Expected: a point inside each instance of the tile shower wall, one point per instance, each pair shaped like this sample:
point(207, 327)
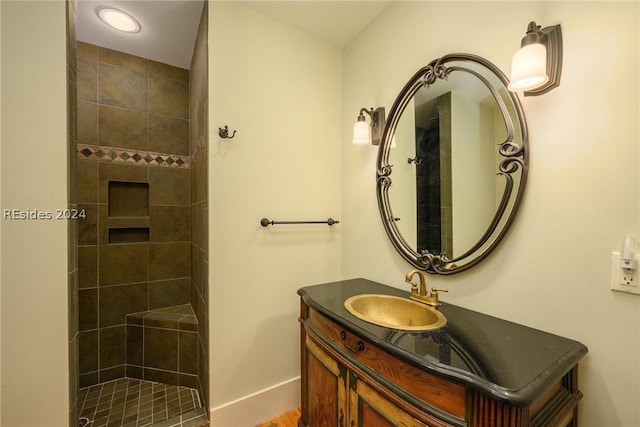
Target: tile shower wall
point(133, 127)
point(199, 203)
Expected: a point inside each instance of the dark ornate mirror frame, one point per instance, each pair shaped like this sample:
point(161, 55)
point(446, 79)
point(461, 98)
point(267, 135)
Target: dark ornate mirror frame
point(515, 158)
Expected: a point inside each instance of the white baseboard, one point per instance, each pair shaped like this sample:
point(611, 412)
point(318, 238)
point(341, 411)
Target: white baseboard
point(258, 407)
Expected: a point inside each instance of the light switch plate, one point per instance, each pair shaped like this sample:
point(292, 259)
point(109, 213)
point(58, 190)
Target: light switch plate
point(623, 279)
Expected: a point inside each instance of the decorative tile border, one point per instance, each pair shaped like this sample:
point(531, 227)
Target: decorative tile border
point(122, 155)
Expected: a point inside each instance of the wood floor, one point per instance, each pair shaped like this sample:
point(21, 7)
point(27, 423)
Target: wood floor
point(290, 419)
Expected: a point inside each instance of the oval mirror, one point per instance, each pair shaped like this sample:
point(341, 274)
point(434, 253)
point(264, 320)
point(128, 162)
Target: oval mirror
point(452, 164)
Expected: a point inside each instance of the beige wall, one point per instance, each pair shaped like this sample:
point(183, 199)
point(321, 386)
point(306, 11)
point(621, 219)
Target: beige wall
point(552, 272)
point(280, 89)
point(34, 253)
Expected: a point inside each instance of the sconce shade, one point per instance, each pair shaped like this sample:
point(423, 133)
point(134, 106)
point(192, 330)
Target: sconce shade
point(361, 132)
point(529, 68)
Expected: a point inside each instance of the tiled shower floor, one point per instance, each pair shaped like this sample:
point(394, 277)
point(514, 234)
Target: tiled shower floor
point(128, 402)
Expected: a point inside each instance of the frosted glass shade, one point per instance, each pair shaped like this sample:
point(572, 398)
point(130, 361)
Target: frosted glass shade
point(529, 68)
point(361, 133)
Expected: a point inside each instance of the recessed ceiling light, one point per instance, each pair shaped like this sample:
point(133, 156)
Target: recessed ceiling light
point(118, 19)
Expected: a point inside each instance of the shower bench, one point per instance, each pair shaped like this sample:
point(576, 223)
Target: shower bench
point(162, 345)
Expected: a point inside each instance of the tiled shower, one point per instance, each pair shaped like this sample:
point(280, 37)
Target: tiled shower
point(141, 179)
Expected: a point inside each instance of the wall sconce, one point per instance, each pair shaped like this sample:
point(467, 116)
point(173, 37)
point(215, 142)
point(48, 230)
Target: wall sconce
point(364, 133)
point(537, 65)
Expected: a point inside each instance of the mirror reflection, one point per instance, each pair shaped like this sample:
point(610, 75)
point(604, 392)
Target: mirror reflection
point(458, 153)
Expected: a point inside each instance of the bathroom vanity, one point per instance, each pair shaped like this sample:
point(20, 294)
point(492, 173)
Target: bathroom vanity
point(477, 370)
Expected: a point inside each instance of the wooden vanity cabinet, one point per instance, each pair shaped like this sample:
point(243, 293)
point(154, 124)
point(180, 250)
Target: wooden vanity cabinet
point(349, 382)
point(335, 396)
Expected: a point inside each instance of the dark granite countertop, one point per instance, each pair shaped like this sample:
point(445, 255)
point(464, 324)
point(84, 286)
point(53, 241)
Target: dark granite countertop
point(508, 361)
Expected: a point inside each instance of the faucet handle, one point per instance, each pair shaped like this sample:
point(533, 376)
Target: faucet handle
point(414, 287)
point(433, 296)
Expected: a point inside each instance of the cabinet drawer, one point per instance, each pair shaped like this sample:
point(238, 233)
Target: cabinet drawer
point(440, 393)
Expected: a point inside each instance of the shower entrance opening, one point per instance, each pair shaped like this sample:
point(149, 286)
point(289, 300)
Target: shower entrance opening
point(140, 179)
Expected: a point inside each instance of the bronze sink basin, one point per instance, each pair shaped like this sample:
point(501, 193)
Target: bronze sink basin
point(395, 312)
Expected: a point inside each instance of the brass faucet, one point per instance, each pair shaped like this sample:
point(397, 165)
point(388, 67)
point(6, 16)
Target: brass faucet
point(420, 294)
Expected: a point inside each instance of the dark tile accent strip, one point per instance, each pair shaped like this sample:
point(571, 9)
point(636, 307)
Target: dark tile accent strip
point(123, 155)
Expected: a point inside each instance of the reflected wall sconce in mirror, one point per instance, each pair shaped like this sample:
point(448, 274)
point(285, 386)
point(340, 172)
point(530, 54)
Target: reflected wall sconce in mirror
point(537, 65)
point(363, 133)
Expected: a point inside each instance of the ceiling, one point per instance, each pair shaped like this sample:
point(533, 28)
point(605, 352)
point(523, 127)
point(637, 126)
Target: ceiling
point(169, 26)
point(335, 21)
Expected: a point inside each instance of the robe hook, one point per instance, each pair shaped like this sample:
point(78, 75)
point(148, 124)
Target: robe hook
point(224, 133)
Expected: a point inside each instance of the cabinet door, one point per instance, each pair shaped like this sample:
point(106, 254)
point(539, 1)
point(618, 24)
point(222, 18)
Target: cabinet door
point(326, 395)
point(367, 408)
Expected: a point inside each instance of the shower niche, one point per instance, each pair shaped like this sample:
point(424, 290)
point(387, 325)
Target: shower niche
point(128, 200)
point(128, 234)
